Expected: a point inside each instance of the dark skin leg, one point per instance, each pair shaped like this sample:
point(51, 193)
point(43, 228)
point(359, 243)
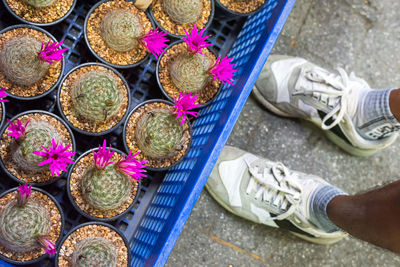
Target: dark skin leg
point(373, 216)
point(394, 103)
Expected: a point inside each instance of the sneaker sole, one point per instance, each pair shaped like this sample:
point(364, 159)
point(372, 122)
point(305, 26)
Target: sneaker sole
point(315, 240)
point(340, 142)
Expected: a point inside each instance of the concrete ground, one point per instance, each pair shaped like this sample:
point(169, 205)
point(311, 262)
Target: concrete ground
point(360, 36)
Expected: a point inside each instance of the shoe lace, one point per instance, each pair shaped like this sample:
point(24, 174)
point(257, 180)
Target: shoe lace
point(275, 186)
point(340, 91)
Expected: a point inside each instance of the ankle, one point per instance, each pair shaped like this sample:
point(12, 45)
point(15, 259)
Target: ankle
point(394, 103)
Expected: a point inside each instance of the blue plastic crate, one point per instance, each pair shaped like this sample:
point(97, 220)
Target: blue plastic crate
point(166, 199)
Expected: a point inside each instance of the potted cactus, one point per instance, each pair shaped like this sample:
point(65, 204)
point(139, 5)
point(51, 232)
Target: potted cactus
point(94, 244)
point(160, 131)
point(36, 147)
point(40, 12)
point(121, 35)
point(93, 99)
point(31, 62)
point(189, 65)
point(177, 16)
point(31, 223)
point(229, 8)
point(104, 183)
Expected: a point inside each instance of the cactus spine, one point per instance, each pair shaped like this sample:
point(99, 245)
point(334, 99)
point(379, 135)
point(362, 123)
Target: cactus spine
point(189, 72)
point(21, 225)
point(94, 252)
point(38, 134)
point(183, 11)
point(96, 97)
point(105, 189)
point(159, 134)
point(39, 3)
point(120, 29)
point(20, 63)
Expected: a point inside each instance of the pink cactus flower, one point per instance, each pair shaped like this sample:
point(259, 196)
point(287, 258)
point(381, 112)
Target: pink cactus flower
point(223, 70)
point(195, 40)
point(17, 130)
point(57, 156)
point(132, 167)
point(23, 193)
point(47, 245)
point(184, 104)
point(3, 94)
point(155, 42)
point(49, 52)
point(103, 156)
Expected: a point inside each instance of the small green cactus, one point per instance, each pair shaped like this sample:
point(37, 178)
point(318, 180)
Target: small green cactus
point(94, 252)
point(158, 134)
point(189, 72)
point(38, 134)
point(106, 189)
point(120, 29)
point(183, 11)
point(39, 3)
point(96, 97)
point(21, 225)
point(20, 63)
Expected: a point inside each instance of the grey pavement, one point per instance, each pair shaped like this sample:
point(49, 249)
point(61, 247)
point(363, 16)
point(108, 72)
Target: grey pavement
point(361, 36)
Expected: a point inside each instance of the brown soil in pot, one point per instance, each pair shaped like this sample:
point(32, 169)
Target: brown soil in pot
point(5, 152)
point(131, 143)
point(165, 21)
point(54, 234)
point(100, 47)
point(205, 95)
point(42, 86)
point(81, 123)
point(243, 7)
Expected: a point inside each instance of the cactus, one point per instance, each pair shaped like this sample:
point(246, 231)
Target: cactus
point(189, 72)
point(121, 29)
point(183, 11)
point(38, 134)
point(39, 3)
point(159, 134)
point(94, 252)
point(96, 97)
point(105, 189)
point(20, 226)
point(20, 63)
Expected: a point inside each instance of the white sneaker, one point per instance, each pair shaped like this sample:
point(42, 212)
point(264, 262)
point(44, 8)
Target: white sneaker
point(294, 87)
point(267, 192)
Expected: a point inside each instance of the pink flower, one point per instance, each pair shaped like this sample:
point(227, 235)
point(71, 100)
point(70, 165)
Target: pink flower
point(223, 70)
point(17, 130)
point(184, 104)
point(3, 94)
point(57, 156)
point(103, 156)
point(47, 245)
point(49, 53)
point(155, 42)
point(23, 193)
point(132, 167)
point(195, 41)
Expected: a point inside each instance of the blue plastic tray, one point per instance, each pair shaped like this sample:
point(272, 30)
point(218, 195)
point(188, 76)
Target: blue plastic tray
point(166, 199)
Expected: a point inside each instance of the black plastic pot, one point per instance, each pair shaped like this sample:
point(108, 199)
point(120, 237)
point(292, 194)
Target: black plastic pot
point(78, 129)
point(62, 62)
point(36, 23)
point(100, 58)
point(84, 213)
point(162, 87)
point(95, 223)
point(210, 19)
point(3, 115)
point(5, 126)
point(223, 11)
point(126, 124)
point(58, 239)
